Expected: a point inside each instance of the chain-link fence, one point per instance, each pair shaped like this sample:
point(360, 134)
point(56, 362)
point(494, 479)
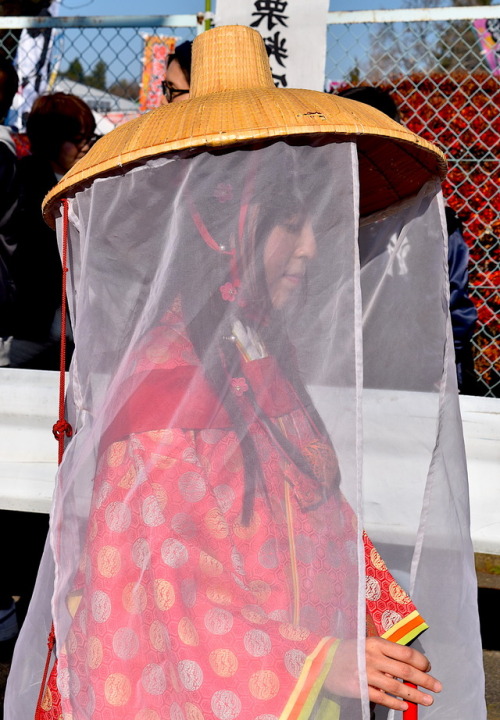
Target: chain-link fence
point(433, 64)
point(443, 74)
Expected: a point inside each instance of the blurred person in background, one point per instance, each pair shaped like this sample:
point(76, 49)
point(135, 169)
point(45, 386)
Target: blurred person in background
point(8, 203)
point(462, 309)
point(61, 130)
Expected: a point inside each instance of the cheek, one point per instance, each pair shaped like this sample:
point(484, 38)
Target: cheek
point(67, 155)
point(276, 255)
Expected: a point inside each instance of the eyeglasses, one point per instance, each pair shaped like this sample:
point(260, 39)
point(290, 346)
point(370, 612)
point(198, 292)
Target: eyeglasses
point(81, 141)
point(171, 93)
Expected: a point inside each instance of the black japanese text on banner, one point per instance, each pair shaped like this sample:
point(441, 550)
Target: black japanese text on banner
point(294, 33)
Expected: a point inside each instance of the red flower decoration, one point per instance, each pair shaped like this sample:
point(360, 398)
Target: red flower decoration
point(228, 292)
point(239, 386)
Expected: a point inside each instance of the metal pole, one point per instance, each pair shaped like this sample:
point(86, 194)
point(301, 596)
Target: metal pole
point(208, 9)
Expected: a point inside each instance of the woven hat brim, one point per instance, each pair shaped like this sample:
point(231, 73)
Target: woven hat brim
point(394, 162)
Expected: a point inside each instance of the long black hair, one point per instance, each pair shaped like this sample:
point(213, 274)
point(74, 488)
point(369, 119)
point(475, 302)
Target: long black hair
point(209, 325)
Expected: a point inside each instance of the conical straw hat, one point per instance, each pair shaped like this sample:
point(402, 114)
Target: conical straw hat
point(233, 100)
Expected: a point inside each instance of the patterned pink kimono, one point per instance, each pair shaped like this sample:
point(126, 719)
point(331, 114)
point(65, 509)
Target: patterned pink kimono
point(183, 611)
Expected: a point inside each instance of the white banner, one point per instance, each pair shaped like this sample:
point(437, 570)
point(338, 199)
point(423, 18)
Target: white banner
point(33, 62)
point(294, 32)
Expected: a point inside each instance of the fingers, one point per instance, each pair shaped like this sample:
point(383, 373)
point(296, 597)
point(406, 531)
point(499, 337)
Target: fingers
point(392, 693)
point(387, 664)
point(404, 671)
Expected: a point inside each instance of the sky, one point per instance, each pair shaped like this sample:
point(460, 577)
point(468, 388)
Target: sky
point(170, 7)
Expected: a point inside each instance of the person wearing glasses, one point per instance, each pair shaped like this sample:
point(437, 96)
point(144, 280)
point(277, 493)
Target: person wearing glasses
point(175, 86)
point(61, 129)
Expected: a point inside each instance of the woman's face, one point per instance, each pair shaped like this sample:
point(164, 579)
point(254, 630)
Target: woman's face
point(288, 249)
point(69, 152)
point(175, 83)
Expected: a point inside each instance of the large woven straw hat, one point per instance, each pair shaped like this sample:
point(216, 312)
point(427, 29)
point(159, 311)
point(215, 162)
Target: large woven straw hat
point(233, 100)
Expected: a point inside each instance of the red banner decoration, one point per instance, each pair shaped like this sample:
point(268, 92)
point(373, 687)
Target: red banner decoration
point(156, 50)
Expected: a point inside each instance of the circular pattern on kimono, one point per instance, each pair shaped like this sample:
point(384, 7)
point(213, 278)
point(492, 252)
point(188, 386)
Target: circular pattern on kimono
point(116, 453)
point(159, 637)
point(101, 494)
point(160, 493)
point(118, 517)
point(117, 689)
point(238, 561)
point(174, 553)
point(373, 591)
point(193, 712)
point(147, 714)
point(246, 532)
point(264, 684)
point(216, 524)
point(389, 619)
point(376, 560)
point(125, 643)
point(151, 513)
point(184, 525)
point(189, 455)
point(294, 661)
point(257, 643)
point(293, 632)
point(254, 614)
point(141, 553)
point(46, 703)
point(209, 565)
point(219, 593)
point(398, 594)
point(128, 479)
point(100, 606)
point(187, 632)
point(94, 653)
point(63, 681)
point(108, 561)
point(268, 554)
point(261, 590)
point(223, 662)
point(225, 495)
point(192, 487)
point(153, 679)
point(266, 717)
point(218, 621)
point(226, 705)
point(190, 674)
point(134, 598)
point(164, 594)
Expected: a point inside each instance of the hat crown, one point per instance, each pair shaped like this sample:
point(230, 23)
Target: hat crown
point(231, 57)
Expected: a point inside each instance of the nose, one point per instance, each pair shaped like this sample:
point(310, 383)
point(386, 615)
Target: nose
point(306, 242)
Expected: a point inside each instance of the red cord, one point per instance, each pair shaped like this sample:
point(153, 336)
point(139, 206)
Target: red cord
point(61, 428)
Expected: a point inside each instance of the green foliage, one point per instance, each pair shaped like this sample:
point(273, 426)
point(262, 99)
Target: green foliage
point(75, 71)
point(97, 77)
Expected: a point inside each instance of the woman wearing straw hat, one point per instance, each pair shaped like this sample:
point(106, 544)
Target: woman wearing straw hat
point(209, 557)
